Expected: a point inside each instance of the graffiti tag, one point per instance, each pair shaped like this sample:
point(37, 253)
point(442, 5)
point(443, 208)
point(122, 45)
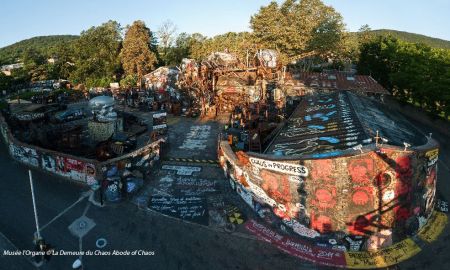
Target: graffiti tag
point(288, 168)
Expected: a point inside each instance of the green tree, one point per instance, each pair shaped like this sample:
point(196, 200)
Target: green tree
point(64, 65)
point(298, 27)
point(184, 46)
point(166, 34)
point(413, 72)
point(19, 76)
point(5, 82)
point(137, 56)
point(364, 34)
point(240, 44)
point(129, 81)
point(34, 63)
point(96, 53)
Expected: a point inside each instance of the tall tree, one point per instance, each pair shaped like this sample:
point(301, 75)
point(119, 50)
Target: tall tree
point(237, 43)
point(64, 64)
point(96, 54)
point(414, 73)
point(5, 82)
point(182, 49)
point(299, 27)
point(166, 34)
point(137, 56)
point(364, 34)
point(34, 64)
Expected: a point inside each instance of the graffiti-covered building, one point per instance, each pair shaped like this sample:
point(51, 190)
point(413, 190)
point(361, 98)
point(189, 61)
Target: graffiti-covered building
point(342, 169)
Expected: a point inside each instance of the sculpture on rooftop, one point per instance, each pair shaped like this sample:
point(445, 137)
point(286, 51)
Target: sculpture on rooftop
point(103, 108)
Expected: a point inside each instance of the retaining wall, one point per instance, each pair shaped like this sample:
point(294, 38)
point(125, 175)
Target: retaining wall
point(358, 200)
point(78, 169)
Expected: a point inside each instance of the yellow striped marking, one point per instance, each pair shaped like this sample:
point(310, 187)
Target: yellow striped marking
point(384, 257)
point(434, 227)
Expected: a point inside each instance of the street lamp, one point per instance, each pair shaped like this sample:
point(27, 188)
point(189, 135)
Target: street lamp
point(39, 242)
point(34, 206)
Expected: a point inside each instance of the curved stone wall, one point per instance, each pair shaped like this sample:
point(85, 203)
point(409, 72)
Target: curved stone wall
point(82, 170)
point(360, 201)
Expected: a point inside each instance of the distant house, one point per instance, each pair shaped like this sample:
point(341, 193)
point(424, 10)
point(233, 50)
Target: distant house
point(52, 60)
point(6, 69)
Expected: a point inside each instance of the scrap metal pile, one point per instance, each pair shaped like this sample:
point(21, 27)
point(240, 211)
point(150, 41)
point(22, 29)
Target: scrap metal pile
point(162, 83)
point(222, 81)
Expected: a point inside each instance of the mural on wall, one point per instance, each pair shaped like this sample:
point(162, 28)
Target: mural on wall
point(377, 196)
point(24, 154)
point(71, 168)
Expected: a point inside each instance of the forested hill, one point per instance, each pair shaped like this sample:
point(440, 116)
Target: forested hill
point(43, 44)
point(414, 38)
point(47, 44)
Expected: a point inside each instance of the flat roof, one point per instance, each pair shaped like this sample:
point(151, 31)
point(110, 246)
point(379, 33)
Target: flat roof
point(328, 123)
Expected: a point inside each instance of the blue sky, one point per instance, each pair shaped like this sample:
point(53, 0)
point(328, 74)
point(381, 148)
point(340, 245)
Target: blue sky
point(21, 19)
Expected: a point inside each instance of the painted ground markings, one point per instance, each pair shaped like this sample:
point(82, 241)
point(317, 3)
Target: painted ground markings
point(196, 138)
point(182, 170)
point(434, 227)
point(191, 160)
point(190, 208)
point(236, 218)
point(182, 195)
point(234, 214)
point(385, 257)
point(81, 226)
point(298, 248)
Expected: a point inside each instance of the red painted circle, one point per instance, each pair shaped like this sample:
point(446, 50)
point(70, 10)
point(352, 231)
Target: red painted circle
point(360, 197)
point(323, 195)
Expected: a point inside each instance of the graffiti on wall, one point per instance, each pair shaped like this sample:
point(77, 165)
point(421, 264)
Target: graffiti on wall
point(140, 159)
point(294, 247)
point(282, 167)
point(433, 228)
point(69, 167)
point(372, 196)
point(24, 154)
point(126, 174)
